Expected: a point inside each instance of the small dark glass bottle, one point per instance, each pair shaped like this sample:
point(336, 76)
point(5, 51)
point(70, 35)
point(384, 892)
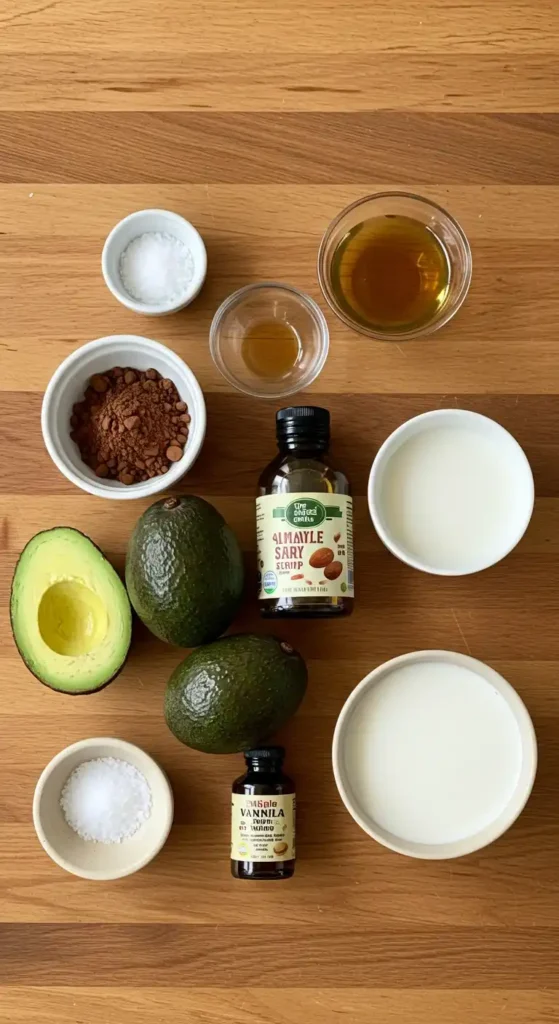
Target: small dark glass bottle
point(304, 523)
point(263, 818)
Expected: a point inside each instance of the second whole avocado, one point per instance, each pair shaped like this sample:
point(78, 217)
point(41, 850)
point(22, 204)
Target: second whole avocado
point(184, 571)
point(235, 693)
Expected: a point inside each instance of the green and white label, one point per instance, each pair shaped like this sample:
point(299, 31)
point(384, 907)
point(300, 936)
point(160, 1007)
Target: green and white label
point(305, 512)
point(304, 545)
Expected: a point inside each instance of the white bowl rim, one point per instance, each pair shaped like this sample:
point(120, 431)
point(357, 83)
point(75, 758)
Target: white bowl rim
point(232, 300)
point(483, 838)
point(149, 308)
point(121, 747)
point(147, 488)
point(384, 453)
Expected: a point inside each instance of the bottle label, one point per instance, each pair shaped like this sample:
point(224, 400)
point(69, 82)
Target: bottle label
point(263, 827)
point(304, 545)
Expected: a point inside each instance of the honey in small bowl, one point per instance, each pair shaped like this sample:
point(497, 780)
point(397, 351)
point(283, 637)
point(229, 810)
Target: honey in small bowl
point(269, 339)
point(394, 266)
point(390, 273)
point(270, 348)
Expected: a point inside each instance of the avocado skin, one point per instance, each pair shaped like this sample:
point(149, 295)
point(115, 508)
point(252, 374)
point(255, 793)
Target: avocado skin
point(235, 693)
point(55, 689)
point(184, 571)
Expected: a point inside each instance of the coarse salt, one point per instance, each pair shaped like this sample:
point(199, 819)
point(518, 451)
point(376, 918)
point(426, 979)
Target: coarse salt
point(106, 800)
point(156, 268)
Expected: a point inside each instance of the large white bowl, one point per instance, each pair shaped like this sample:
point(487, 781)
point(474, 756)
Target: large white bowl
point(67, 386)
point(520, 790)
point(484, 428)
point(139, 223)
point(100, 861)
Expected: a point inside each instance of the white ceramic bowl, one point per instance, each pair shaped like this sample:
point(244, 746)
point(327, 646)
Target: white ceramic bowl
point(67, 386)
point(138, 223)
point(514, 492)
point(100, 861)
point(373, 815)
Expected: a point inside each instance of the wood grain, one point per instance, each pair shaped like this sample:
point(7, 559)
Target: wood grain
point(246, 27)
point(259, 123)
point(357, 82)
point(159, 1006)
point(399, 958)
point(261, 148)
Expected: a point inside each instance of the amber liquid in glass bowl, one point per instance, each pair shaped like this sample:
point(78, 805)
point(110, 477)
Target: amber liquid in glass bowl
point(390, 273)
point(271, 348)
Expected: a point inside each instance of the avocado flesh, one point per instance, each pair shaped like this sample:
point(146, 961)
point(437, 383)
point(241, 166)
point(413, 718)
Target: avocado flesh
point(235, 693)
point(184, 571)
point(71, 617)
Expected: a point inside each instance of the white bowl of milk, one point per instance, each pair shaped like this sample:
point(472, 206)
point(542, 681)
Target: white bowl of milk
point(451, 492)
point(434, 754)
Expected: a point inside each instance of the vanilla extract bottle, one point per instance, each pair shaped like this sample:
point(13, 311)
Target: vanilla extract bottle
point(263, 818)
point(304, 523)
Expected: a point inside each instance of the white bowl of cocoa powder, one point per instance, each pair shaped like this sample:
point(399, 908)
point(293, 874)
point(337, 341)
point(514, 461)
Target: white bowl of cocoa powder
point(123, 417)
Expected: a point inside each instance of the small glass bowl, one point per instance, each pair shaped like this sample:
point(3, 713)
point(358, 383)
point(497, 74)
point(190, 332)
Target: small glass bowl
point(404, 204)
point(269, 301)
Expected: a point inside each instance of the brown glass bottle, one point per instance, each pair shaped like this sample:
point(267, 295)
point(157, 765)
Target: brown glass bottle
point(263, 818)
point(304, 523)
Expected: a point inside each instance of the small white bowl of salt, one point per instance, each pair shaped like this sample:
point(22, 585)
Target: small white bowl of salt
point(102, 809)
point(154, 262)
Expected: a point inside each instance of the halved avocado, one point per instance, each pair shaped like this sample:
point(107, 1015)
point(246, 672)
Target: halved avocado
point(70, 612)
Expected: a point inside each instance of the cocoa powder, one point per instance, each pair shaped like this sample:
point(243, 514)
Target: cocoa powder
point(130, 425)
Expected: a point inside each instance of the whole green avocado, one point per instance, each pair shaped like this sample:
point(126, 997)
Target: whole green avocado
point(184, 571)
point(235, 693)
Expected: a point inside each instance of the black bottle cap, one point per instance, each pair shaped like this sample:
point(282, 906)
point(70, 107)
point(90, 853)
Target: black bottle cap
point(273, 753)
point(300, 423)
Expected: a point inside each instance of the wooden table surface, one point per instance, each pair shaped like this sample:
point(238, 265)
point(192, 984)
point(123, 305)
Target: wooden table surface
point(260, 122)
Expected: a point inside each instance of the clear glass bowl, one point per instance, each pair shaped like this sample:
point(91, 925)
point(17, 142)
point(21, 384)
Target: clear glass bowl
point(264, 302)
point(404, 204)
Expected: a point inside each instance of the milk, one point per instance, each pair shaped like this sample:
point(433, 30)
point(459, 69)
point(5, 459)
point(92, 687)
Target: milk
point(455, 497)
point(432, 753)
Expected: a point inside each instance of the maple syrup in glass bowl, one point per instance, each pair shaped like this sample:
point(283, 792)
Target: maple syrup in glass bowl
point(395, 266)
point(269, 340)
